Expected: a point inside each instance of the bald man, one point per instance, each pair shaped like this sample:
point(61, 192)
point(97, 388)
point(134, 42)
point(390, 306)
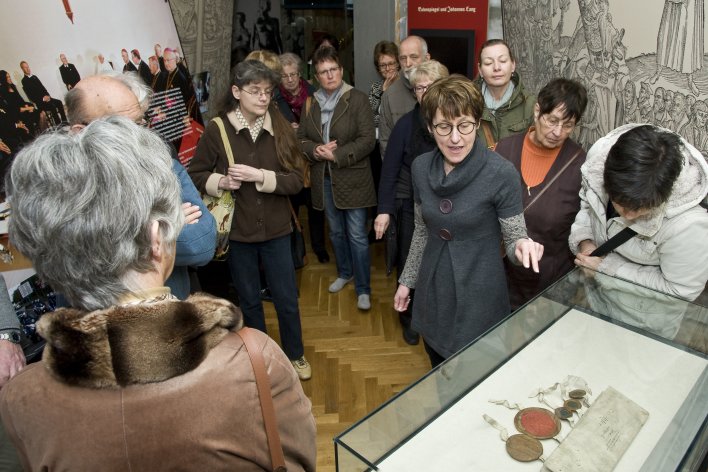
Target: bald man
point(126, 95)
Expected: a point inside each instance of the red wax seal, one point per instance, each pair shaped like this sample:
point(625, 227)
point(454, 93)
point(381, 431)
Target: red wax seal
point(538, 423)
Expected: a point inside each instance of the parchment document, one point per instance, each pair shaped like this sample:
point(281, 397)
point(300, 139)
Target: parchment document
point(601, 436)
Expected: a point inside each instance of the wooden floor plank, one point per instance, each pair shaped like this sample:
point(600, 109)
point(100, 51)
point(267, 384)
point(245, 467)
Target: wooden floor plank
point(359, 359)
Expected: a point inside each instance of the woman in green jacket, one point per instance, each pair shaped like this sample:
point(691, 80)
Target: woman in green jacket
point(508, 107)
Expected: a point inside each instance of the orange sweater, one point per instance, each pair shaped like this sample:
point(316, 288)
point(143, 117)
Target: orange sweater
point(536, 161)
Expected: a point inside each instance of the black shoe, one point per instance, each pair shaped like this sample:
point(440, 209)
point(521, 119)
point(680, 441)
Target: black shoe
point(410, 336)
point(265, 295)
point(323, 257)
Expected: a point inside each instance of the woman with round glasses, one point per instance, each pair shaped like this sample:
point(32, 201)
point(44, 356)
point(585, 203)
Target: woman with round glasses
point(508, 107)
point(409, 139)
point(548, 162)
point(265, 171)
point(337, 135)
point(467, 203)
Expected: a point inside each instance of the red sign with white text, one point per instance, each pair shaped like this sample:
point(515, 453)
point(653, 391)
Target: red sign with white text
point(452, 18)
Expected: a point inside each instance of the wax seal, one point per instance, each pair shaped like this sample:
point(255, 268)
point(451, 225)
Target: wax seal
point(577, 394)
point(573, 405)
point(538, 423)
point(563, 413)
point(524, 448)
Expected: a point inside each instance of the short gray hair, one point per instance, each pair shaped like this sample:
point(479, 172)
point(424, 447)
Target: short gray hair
point(431, 70)
point(83, 205)
point(290, 59)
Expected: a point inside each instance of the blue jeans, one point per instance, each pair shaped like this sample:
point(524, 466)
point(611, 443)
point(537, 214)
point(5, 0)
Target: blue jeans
point(279, 271)
point(349, 236)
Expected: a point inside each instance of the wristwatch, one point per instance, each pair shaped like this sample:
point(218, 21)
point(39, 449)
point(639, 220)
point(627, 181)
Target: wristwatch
point(12, 336)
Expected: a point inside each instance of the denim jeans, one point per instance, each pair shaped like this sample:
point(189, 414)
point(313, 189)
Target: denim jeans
point(279, 271)
point(350, 240)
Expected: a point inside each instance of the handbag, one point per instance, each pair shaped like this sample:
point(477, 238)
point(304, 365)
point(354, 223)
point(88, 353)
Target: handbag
point(222, 207)
point(265, 397)
point(297, 241)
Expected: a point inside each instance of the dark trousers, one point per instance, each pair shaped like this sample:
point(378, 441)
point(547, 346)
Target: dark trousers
point(54, 110)
point(315, 219)
point(277, 262)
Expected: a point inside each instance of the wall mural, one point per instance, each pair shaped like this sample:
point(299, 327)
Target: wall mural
point(641, 60)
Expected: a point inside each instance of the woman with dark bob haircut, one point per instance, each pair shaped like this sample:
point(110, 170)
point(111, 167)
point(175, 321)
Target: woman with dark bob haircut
point(149, 381)
point(265, 171)
point(548, 162)
point(653, 181)
point(467, 203)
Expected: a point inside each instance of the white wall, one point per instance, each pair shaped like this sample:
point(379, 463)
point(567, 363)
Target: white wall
point(37, 31)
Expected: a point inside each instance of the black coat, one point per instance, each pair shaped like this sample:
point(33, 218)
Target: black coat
point(69, 75)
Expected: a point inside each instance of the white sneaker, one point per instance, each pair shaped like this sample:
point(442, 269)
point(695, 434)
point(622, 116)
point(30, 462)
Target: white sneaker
point(364, 302)
point(303, 368)
point(339, 284)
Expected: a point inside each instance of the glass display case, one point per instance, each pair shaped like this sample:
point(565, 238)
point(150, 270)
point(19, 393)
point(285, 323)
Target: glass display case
point(607, 332)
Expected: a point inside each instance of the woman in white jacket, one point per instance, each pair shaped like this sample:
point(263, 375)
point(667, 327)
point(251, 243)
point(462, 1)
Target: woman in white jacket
point(652, 180)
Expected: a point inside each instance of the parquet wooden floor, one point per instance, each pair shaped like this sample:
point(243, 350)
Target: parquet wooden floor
point(359, 359)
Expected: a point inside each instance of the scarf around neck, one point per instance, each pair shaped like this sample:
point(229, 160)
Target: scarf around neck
point(327, 105)
point(492, 103)
point(295, 102)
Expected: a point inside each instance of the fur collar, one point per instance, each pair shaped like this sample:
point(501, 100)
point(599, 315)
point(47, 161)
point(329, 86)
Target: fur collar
point(135, 344)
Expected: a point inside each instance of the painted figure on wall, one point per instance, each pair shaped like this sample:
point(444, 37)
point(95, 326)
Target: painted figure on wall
point(679, 44)
point(629, 77)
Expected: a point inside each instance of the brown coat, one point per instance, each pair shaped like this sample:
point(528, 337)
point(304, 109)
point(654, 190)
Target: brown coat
point(149, 387)
point(261, 212)
point(548, 221)
point(353, 129)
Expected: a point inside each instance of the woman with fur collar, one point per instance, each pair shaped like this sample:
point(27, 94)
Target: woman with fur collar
point(148, 381)
point(652, 180)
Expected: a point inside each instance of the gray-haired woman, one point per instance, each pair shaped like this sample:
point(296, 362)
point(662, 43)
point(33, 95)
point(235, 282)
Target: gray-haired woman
point(151, 382)
point(266, 170)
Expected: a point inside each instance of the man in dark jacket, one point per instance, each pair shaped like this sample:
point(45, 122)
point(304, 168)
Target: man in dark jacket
point(69, 75)
point(37, 93)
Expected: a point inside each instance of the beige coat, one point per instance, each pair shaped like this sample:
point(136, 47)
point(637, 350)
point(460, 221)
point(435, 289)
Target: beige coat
point(149, 387)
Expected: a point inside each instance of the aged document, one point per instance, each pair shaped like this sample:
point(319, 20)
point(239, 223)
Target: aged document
point(601, 436)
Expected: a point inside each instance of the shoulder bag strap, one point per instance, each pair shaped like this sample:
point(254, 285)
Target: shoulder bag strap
point(614, 242)
point(488, 136)
point(550, 182)
point(295, 220)
point(264, 395)
point(227, 145)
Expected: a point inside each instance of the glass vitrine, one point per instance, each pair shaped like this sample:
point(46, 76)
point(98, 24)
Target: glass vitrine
point(608, 332)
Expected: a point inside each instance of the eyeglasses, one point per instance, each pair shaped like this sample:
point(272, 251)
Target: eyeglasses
point(268, 93)
point(566, 127)
point(388, 65)
point(291, 75)
point(420, 88)
point(330, 71)
point(464, 128)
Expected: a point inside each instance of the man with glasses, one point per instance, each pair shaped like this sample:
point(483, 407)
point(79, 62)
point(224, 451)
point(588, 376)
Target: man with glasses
point(399, 99)
point(549, 166)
